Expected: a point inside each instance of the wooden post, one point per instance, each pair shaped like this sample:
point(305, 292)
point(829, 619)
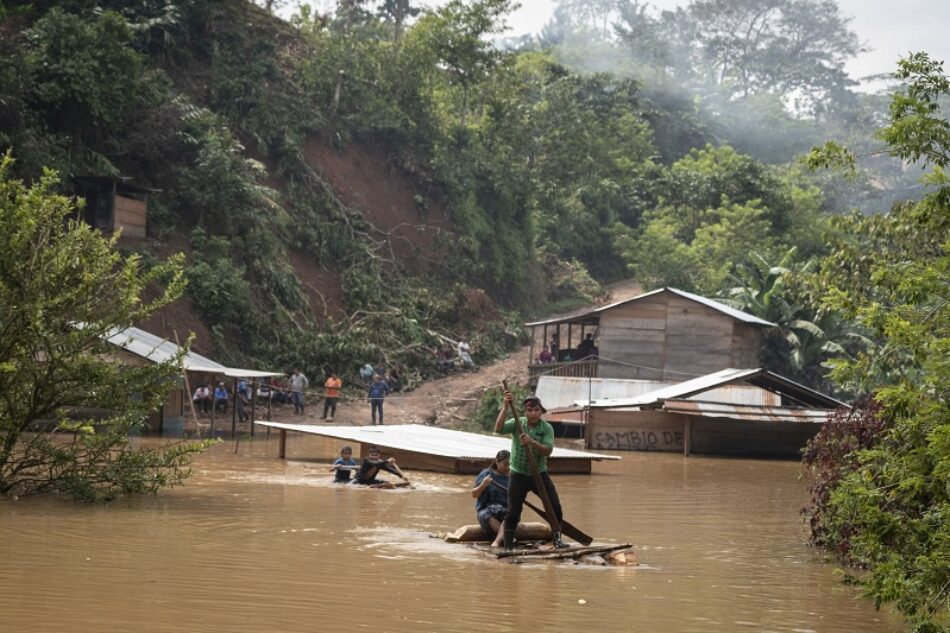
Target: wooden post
point(214, 405)
point(569, 328)
point(687, 436)
point(270, 398)
point(253, 403)
point(531, 347)
point(233, 406)
point(282, 450)
point(184, 375)
point(545, 337)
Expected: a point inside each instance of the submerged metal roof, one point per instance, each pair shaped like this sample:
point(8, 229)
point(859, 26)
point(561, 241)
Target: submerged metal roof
point(160, 350)
point(747, 412)
point(557, 392)
point(591, 315)
point(431, 440)
point(758, 376)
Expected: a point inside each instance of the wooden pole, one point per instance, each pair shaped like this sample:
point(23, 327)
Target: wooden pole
point(687, 436)
point(233, 406)
point(282, 450)
point(570, 327)
point(253, 403)
point(214, 404)
point(184, 374)
point(270, 398)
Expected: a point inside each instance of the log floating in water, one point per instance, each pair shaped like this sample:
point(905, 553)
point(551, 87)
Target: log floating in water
point(475, 534)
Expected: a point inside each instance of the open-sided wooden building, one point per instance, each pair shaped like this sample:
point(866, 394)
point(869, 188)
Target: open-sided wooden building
point(667, 335)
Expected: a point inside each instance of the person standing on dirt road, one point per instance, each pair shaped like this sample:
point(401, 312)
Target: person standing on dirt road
point(332, 385)
point(377, 392)
point(298, 383)
point(538, 437)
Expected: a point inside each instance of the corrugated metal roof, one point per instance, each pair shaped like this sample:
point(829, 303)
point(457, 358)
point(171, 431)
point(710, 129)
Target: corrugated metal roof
point(747, 412)
point(582, 315)
point(160, 350)
point(431, 440)
point(704, 384)
point(562, 391)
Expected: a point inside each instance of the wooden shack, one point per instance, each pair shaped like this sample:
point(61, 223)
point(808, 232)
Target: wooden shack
point(667, 335)
point(693, 417)
point(113, 204)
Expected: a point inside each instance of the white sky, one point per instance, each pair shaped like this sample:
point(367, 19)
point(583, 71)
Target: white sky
point(891, 28)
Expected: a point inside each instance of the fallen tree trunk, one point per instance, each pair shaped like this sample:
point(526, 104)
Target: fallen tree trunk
point(475, 534)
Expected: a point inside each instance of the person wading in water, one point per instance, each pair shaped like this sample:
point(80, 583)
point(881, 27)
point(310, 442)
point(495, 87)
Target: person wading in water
point(538, 437)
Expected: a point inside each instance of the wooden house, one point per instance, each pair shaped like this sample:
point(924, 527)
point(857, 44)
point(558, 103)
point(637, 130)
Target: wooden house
point(667, 335)
point(113, 204)
point(708, 415)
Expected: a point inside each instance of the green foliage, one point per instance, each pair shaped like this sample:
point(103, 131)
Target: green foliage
point(68, 409)
point(893, 509)
point(491, 403)
point(714, 207)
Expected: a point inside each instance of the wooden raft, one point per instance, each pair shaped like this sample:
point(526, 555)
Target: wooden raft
point(591, 554)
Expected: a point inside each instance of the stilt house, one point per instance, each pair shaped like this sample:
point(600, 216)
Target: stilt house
point(666, 335)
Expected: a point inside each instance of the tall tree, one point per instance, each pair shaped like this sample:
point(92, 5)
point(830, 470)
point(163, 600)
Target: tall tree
point(67, 408)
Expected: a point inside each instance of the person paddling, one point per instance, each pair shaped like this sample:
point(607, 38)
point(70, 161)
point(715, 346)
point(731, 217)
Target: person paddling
point(537, 437)
point(366, 475)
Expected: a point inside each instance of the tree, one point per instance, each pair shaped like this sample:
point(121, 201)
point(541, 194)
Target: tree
point(891, 515)
point(66, 409)
point(456, 33)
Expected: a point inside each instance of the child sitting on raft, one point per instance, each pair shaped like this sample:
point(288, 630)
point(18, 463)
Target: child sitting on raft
point(366, 476)
point(491, 501)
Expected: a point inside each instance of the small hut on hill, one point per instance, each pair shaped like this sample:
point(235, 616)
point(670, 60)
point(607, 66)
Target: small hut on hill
point(667, 335)
point(113, 203)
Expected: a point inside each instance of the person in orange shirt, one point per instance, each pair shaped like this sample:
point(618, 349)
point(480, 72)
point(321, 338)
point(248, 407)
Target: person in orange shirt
point(333, 386)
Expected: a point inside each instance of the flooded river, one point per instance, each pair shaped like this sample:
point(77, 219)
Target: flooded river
point(252, 543)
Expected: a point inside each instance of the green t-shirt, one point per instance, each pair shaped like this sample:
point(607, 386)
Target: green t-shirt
point(542, 433)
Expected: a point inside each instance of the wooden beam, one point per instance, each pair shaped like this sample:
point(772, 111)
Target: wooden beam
point(687, 436)
point(282, 450)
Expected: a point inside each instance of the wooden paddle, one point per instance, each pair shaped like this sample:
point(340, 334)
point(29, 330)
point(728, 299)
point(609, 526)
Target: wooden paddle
point(566, 528)
point(539, 487)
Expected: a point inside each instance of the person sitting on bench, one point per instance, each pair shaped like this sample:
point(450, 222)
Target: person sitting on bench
point(366, 475)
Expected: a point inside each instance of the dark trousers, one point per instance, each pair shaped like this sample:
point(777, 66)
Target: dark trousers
point(297, 398)
point(518, 487)
point(329, 405)
point(376, 404)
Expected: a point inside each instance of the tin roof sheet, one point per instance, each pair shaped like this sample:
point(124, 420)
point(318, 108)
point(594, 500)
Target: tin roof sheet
point(431, 440)
point(758, 376)
point(557, 392)
point(160, 350)
point(747, 412)
point(583, 315)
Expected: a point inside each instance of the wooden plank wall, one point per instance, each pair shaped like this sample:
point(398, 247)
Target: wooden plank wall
point(635, 334)
point(746, 343)
point(698, 339)
point(722, 436)
point(664, 431)
point(635, 431)
point(130, 216)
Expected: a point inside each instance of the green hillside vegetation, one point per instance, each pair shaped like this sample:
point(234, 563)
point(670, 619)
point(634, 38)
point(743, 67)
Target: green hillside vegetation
point(537, 183)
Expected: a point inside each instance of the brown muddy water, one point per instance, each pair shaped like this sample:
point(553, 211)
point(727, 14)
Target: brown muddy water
point(253, 543)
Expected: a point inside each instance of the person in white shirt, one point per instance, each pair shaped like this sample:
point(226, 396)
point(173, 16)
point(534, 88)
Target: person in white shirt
point(298, 383)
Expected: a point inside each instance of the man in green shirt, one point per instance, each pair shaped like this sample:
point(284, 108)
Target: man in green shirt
point(537, 437)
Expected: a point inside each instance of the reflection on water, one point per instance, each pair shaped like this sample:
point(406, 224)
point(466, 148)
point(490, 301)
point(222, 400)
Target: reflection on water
point(253, 543)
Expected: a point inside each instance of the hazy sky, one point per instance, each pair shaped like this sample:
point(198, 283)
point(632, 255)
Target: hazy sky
point(890, 27)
